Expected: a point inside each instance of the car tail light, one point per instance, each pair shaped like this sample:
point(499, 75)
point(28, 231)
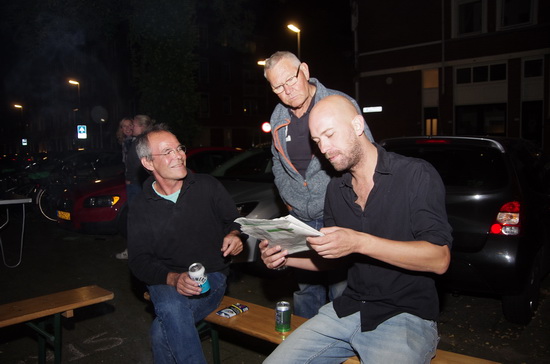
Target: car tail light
point(508, 220)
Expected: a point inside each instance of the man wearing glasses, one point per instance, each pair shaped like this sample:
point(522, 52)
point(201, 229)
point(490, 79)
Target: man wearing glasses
point(300, 176)
point(178, 219)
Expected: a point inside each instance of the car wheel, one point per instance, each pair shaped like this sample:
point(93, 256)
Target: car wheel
point(520, 308)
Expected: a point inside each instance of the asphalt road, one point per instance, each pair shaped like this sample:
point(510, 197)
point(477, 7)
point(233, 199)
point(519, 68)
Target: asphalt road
point(117, 331)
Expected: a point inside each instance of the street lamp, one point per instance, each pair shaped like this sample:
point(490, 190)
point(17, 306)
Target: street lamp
point(296, 30)
point(73, 82)
point(20, 107)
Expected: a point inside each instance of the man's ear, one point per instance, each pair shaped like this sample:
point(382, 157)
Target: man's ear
point(305, 70)
point(358, 124)
point(147, 164)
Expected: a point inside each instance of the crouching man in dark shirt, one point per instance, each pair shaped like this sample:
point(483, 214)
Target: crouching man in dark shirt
point(385, 216)
point(178, 219)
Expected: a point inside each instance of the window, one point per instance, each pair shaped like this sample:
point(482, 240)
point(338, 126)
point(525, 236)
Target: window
point(464, 75)
point(498, 72)
point(481, 74)
point(516, 13)
point(430, 78)
point(469, 17)
point(481, 119)
point(494, 72)
point(532, 121)
point(532, 68)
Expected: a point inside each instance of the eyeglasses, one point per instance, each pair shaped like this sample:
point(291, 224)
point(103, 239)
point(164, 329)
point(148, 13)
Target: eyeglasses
point(171, 152)
point(290, 82)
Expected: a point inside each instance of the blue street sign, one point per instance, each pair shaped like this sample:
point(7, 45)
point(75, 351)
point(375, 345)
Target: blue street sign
point(81, 132)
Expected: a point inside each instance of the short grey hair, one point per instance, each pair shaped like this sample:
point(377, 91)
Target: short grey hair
point(144, 121)
point(143, 148)
point(272, 61)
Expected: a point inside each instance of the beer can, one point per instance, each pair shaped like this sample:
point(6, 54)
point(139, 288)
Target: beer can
point(197, 273)
point(282, 316)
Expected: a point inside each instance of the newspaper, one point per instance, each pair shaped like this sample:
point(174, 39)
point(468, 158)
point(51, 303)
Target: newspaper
point(287, 231)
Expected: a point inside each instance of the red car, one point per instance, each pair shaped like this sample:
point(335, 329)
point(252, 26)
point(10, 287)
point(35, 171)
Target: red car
point(99, 206)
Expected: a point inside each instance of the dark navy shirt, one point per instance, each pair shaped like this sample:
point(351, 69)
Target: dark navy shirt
point(298, 141)
point(407, 203)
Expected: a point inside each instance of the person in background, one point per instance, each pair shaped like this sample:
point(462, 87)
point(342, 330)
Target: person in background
point(135, 173)
point(386, 219)
point(301, 176)
point(178, 219)
point(124, 135)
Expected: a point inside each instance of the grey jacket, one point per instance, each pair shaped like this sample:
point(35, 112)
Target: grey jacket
point(306, 196)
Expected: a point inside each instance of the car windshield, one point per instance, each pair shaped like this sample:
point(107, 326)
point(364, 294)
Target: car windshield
point(252, 165)
point(461, 167)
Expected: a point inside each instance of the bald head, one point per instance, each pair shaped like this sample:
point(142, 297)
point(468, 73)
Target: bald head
point(335, 107)
point(338, 130)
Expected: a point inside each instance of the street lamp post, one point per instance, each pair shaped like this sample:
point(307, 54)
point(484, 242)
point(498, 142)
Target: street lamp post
point(296, 30)
point(20, 107)
point(77, 84)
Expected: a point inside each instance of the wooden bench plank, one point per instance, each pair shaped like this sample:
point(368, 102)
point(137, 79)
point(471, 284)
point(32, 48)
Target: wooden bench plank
point(60, 302)
point(255, 323)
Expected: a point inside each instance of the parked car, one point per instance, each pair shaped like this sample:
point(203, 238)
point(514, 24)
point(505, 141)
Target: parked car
point(498, 204)
point(249, 180)
point(98, 205)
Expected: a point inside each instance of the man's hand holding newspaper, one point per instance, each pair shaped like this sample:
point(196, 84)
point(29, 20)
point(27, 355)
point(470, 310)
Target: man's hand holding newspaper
point(287, 231)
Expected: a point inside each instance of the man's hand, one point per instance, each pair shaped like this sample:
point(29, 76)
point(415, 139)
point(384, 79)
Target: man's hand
point(232, 244)
point(336, 243)
point(184, 284)
point(273, 257)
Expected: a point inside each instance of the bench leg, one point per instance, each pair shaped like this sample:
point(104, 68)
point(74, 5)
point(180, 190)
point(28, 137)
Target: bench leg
point(215, 345)
point(46, 337)
point(41, 342)
point(204, 327)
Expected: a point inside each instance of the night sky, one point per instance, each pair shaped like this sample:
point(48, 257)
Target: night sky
point(326, 45)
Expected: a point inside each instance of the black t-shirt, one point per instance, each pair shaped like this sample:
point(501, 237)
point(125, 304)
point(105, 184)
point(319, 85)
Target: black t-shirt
point(298, 141)
point(407, 203)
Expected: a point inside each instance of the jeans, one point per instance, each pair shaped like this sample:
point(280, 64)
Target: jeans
point(317, 288)
point(174, 338)
point(325, 339)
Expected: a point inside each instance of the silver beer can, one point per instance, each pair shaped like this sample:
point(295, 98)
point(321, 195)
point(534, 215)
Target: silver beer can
point(198, 274)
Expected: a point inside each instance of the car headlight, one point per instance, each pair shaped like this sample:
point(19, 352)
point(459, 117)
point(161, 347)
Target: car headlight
point(246, 208)
point(101, 201)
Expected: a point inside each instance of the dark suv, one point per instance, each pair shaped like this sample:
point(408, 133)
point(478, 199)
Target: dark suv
point(498, 203)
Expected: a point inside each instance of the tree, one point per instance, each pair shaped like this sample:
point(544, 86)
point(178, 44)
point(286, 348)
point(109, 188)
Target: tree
point(162, 39)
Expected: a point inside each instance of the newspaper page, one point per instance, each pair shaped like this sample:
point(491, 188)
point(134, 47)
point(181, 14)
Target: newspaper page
point(287, 231)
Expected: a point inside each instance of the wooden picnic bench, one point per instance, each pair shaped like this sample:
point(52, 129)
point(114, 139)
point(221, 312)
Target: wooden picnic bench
point(259, 322)
point(37, 312)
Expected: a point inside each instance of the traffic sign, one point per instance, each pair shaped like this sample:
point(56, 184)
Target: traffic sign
point(81, 132)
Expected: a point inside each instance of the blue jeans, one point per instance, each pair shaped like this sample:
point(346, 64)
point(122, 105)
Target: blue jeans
point(325, 339)
point(174, 337)
point(317, 288)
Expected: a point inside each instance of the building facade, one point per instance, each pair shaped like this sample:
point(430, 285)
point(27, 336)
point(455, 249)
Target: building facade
point(454, 67)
